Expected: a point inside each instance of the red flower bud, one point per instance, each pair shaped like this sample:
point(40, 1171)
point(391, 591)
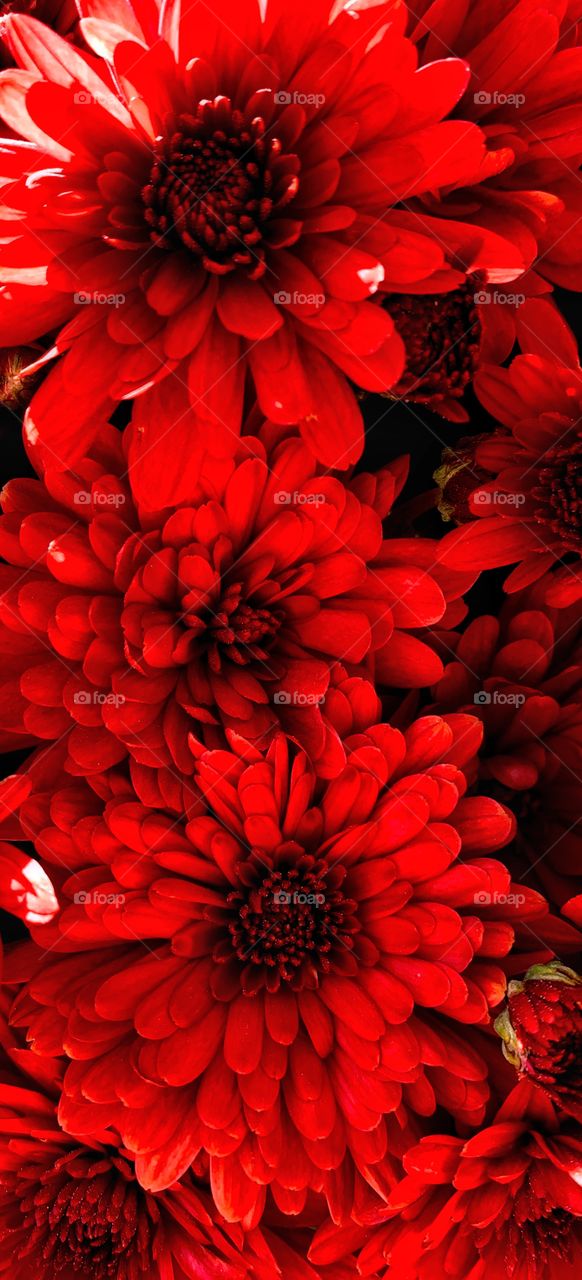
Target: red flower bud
point(541, 1030)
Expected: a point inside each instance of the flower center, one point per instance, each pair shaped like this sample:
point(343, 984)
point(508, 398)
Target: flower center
point(541, 1239)
point(215, 183)
point(83, 1214)
point(565, 1065)
point(559, 493)
point(442, 337)
point(239, 632)
point(292, 921)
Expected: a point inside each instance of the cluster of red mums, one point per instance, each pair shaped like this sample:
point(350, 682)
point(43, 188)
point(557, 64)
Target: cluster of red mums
point(290, 825)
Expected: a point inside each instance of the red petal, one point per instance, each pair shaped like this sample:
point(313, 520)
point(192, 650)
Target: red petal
point(243, 1041)
point(25, 889)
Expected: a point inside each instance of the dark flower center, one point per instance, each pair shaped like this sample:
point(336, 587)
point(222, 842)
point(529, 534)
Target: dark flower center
point(526, 805)
point(240, 631)
point(442, 337)
point(566, 1062)
point(541, 1240)
point(83, 1214)
point(215, 183)
point(292, 918)
point(558, 491)
point(233, 628)
point(552, 1051)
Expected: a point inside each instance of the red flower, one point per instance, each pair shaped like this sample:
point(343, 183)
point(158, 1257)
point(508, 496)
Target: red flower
point(449, 336)
point(521, 674)
point(531, 509)
point(541, 1029)
point(129, 632)
point(310, 949)
point(506, 1203)
point(73, 1209)
point(524, 92)
point(442, 337)
point(226, 197)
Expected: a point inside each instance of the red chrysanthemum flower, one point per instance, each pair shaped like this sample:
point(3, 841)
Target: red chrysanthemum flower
point(225, 197)
point(506, 1203)
point(312, 953)
point(443, 337)
point(73, 1209)
point(524, 92)
point(449, 336)
point(521, 674)
point(531, 509)
point(541, 1029)
point(129, 632)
